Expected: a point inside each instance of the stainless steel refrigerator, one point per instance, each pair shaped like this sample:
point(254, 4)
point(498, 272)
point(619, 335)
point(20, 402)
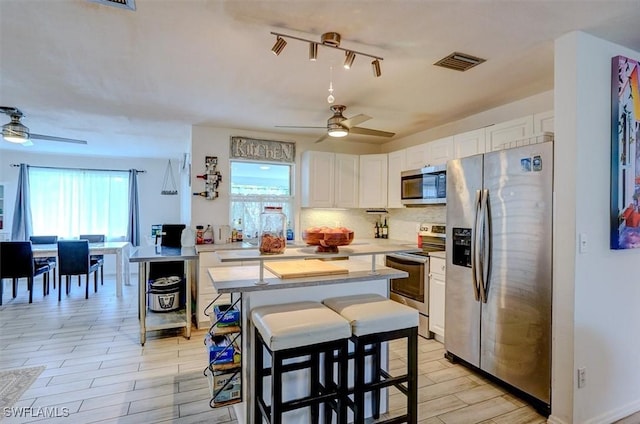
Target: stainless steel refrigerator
point(498, 275)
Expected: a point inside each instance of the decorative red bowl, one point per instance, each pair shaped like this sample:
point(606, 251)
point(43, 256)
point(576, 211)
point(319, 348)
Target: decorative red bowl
point(327, 239)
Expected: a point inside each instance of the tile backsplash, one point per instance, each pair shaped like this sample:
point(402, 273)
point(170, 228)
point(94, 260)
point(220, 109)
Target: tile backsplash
point(403, 223)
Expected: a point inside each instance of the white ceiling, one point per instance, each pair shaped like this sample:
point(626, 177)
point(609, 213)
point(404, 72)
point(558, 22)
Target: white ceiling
point(133, 83)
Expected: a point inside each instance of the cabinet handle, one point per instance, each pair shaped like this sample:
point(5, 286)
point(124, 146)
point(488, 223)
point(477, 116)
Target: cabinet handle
point(430, 275)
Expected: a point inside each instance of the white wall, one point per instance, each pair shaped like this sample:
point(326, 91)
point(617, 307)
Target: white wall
point(154, 207)
point(596, 293)
point(212, 141)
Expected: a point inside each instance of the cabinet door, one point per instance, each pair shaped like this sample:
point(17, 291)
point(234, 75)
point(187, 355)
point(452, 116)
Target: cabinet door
point(396, 164)
point(416, 156)
point(439, 151)
point(469, 143)
point(501, 136)
point(436, 295)
point(543, 122)
point(346, 180)
point(317, 179)
point(436, 304)
point(373, 181)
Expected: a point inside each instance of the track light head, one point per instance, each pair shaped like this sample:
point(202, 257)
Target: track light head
point(313, 51)
point(375, 66)
point(278, 46)
point(348, 60)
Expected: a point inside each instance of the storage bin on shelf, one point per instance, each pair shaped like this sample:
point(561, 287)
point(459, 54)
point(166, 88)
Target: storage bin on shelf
point(223, 345)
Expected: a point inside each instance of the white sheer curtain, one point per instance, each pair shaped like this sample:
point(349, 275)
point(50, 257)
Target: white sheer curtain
point(69, 202)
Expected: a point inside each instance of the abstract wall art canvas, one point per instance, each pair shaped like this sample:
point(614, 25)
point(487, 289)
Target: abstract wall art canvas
point(625, 154)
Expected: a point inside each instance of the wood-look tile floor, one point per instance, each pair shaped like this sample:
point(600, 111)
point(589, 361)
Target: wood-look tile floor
point(97, 372)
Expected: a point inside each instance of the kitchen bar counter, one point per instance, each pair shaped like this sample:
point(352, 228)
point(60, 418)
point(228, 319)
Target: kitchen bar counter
point(363, 277)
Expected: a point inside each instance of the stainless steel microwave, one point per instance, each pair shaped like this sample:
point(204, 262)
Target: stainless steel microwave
point(424, 186)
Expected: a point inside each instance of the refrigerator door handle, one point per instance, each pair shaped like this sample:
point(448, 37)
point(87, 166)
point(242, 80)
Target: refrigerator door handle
point(486, 246)
point(476, 247)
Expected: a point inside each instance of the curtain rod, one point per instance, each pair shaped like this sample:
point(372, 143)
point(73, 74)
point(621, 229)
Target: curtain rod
point(15, 165)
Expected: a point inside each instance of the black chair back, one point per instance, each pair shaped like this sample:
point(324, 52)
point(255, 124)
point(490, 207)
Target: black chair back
point(171, 235)
point(92, 238)
point(16, 258)
point(73, 257)
point(43, 239)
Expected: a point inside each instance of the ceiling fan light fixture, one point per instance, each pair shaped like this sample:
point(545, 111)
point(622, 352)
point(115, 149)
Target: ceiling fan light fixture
point(313, 51)
point(278, 46)
point(15, 132)
point(337, 131)
point(348, 59)
point(375, 66)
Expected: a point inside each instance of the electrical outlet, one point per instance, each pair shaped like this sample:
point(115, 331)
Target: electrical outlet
point(582, 377)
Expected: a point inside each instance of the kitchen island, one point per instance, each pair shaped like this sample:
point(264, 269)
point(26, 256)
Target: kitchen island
point(253, 286)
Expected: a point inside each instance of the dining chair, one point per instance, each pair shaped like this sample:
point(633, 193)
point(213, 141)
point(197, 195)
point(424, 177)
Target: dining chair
point(17, 262)
point(99, 259)
point(51, 260)
point(73, 259)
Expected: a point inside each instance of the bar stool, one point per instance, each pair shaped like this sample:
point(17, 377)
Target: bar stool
point(297, 330)
point(375, 319)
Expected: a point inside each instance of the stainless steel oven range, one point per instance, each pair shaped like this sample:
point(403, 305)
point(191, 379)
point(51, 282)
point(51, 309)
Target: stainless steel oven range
point(414, 289)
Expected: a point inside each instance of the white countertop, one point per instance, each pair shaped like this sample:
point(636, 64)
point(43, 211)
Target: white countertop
point(237, 279)
point(357, 248)
point(442, 254)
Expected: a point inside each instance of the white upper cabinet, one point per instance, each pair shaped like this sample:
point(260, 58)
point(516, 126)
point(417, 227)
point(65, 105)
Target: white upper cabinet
point(543, 122)
point(373, 181)
point(499, 136)
point(346, 180)
point(416, 156)
point(329, 180)
point(469, 143)
point(396, 164)
point(439, 151)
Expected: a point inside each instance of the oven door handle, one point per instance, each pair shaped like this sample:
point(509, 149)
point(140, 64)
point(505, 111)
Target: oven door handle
point(406, 259)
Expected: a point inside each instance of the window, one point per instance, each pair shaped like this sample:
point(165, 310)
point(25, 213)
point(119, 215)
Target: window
point(255, 185)
point(70, 202)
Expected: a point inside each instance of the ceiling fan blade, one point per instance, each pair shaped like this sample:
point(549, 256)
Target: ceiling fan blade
point(368, 131)
point(321, 138)
point(354, 120)
point(52, 138)
point(296, 126)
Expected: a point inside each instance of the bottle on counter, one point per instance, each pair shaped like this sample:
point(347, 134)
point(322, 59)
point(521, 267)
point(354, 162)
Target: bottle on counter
point(199, 234)
point(385, 229)
point(239, 235)
point(207, 236)
point(377, 233)
point(289, 231)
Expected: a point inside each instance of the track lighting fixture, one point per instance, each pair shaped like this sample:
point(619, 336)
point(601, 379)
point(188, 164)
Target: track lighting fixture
point(278, 46)
point(375, 65)
point(330, 40)
point(313, 51)
point(349, 57)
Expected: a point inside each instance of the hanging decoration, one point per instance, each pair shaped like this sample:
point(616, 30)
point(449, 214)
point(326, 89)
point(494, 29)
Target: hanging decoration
point(330, 98)
point(169, 187)
point(212, 178)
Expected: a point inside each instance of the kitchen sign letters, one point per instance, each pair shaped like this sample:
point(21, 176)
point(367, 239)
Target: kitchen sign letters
point(262, 150)
point(625, 153)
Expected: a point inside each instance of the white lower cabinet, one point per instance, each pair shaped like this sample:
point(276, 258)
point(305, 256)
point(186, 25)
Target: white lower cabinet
point(437, 286)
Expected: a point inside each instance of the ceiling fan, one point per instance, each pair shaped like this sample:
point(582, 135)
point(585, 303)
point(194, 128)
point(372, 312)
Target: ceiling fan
point(339, 126)
point(16, 132)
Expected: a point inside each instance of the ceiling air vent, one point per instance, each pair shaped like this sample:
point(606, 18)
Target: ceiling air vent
point(123, 4)
point(459, 61)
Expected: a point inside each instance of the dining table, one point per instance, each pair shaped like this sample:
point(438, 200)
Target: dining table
point(118, 248)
